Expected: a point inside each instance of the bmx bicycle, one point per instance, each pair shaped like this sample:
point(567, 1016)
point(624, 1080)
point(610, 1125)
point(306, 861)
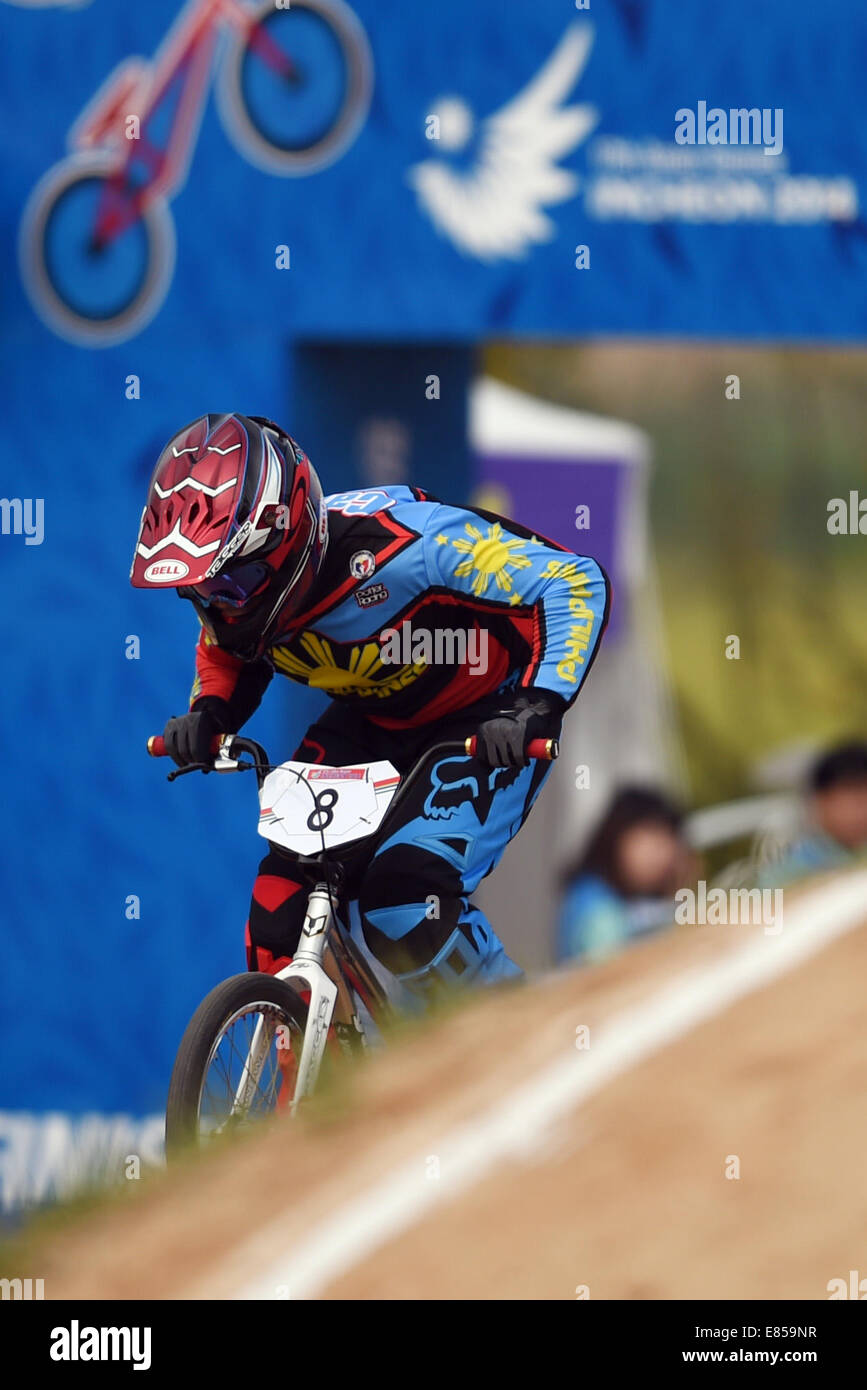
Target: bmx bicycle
point(256, 1043)
point(97, 240)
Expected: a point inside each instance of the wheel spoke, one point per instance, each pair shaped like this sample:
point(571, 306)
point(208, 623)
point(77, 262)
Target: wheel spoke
point(231, 1069)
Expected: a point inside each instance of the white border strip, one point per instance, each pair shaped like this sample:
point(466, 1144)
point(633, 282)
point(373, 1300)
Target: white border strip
point(509, 1128)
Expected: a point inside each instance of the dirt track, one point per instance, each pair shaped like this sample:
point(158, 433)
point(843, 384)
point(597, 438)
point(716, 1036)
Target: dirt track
point(628, 1196)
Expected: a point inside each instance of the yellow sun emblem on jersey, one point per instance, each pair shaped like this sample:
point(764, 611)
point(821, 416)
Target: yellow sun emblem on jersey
point(490, 557)
point(364, 673)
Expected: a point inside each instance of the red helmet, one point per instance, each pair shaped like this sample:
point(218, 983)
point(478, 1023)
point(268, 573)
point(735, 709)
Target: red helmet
point(235, 520)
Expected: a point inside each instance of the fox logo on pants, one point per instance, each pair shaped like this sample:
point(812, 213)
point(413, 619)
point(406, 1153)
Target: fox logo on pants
point(454, 784)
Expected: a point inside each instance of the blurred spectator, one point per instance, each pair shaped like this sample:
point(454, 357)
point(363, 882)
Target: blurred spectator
point(837, 810)
point(623, 885)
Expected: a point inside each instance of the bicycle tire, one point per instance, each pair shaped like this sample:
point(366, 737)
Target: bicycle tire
point(199, 1042)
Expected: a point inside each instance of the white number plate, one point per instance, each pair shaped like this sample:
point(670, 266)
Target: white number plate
point(300, 803)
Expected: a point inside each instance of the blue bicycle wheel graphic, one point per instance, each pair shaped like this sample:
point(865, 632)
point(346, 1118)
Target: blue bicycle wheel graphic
point(295, 89)
point(94, 288)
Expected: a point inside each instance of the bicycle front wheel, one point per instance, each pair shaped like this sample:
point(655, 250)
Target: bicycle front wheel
point(236, 1062)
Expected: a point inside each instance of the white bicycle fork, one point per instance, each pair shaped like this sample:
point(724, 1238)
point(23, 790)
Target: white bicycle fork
point(307, 970)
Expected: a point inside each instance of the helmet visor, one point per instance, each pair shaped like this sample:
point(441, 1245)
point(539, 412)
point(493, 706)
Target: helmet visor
point(233, 586)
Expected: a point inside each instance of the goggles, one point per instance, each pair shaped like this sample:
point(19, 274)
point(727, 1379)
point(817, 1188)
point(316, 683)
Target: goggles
point(233, 587)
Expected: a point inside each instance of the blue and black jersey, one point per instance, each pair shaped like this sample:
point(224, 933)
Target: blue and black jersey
point(422, 608)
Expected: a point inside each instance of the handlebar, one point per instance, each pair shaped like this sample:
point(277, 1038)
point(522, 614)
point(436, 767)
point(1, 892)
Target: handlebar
point(543, 750)
point(157, 745)
point(538, 749)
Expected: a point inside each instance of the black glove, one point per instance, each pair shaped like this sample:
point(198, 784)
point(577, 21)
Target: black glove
point(188, 736)
point(502, 739)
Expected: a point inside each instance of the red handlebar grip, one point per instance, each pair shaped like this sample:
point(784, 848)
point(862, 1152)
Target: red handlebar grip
point(545, 749)
point(157, 745)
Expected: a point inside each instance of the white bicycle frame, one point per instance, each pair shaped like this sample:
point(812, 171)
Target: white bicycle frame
point(351, 815)
point(346, 990)
point(306, 971)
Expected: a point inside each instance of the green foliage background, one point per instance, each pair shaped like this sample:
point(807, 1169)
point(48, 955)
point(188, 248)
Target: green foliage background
point(739, 514)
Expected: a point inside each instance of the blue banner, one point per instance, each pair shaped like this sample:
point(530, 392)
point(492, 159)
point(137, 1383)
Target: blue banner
point(189, 191)
point(440, 171)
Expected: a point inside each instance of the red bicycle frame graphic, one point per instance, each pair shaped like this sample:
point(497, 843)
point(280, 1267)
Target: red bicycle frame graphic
point(97, 239)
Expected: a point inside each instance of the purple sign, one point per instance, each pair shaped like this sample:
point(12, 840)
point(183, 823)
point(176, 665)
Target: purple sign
point(577, 503)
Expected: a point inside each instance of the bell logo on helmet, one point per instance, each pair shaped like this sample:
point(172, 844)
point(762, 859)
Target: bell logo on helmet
point(166, 571)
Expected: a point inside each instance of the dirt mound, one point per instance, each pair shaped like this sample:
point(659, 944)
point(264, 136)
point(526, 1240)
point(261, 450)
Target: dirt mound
point(726, 1162)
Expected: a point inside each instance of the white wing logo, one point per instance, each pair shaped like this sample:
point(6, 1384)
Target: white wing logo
point(494, 210)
